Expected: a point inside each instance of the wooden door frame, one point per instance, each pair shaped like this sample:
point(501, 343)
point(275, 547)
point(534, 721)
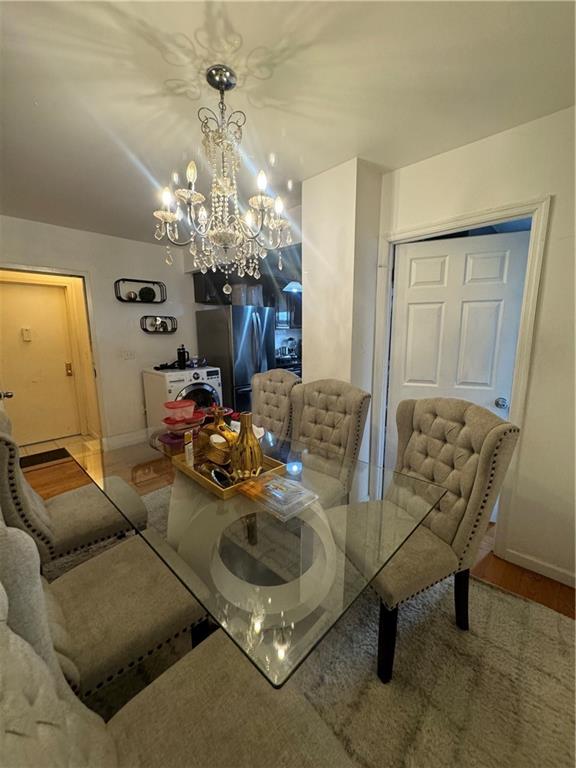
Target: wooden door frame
point(77, 310)
point(538, 209)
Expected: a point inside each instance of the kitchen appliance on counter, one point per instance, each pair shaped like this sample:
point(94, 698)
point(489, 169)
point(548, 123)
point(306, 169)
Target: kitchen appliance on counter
point(289, 355)
point(240, 341)
point(182, 362)
point(203, 385)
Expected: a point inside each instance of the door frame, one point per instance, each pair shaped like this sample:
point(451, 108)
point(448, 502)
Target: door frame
point(538, 209)
point(78, 308)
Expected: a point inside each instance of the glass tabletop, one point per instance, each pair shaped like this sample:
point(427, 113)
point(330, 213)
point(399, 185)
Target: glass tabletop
point(275, 586)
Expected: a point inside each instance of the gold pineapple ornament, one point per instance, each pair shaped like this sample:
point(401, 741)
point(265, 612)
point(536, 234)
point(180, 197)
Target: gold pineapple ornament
point(207, 449)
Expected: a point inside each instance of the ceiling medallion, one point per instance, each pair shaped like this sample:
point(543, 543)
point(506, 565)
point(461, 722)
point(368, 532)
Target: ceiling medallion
point(222, 237)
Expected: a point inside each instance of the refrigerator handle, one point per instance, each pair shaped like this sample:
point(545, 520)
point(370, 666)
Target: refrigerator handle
point(261, 360)
point(255, 343)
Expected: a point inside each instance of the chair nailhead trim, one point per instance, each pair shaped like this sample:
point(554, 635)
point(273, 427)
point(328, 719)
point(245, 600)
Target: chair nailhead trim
point(13, 486)
point(132, 663)
point(122, 532)
point(512, 430)
point(391, 607)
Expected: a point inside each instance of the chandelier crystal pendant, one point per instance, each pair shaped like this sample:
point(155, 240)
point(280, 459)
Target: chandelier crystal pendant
point(222, 236)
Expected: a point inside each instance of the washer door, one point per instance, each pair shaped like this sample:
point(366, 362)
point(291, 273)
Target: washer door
point(203, 394)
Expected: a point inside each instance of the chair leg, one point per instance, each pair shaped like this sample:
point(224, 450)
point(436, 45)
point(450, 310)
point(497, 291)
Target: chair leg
point(461, 587)
point(386, 642)
point(201, 630)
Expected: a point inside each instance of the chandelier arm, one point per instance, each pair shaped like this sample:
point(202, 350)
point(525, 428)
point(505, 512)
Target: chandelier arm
point(177, 242)
point(247, 231)
point(197, 230)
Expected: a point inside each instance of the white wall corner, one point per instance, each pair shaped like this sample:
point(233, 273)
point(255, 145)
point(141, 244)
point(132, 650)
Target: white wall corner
point(328, 248)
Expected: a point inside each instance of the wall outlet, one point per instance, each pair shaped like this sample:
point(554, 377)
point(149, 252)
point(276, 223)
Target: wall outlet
point(127, 354)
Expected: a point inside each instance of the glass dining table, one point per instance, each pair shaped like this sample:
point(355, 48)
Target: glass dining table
point(276, 587)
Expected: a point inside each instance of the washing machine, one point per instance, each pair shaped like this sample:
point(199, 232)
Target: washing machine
point(203, 385)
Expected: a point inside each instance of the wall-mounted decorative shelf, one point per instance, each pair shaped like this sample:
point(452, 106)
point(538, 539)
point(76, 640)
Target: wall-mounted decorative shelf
point(158, 324)
point(134, 291)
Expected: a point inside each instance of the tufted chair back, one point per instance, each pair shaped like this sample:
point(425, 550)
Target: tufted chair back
point(21, 506)
point(20, 578)
point(271, 405)
point(467, 450)
point(328, 421)
point(42, 723)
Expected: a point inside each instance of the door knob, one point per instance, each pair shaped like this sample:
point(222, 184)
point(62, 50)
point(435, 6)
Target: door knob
point(501, 402)
point(6, 395)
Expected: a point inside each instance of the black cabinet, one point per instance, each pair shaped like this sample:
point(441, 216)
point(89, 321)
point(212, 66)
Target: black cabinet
point(288, 310)
point(208, 287)
point(296, 316)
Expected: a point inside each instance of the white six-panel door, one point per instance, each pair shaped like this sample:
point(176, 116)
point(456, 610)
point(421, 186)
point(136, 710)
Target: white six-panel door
point(455, 319)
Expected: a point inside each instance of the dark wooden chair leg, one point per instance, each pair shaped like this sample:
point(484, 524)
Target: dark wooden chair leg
point(461, 587)
point(386, 642)
point(201, 630)
point(251, 527)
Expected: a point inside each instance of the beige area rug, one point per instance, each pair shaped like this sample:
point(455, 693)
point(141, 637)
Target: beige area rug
point(498, 696)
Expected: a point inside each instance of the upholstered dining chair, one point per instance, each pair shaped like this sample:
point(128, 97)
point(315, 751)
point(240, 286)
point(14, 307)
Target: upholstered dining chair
point(328, 418)
point(66, 523)
point(105, 615)
point(211, 708)
point(271, 406)
point(467, 450)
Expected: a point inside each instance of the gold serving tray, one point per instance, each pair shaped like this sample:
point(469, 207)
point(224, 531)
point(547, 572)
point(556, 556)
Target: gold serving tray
point(271, 466)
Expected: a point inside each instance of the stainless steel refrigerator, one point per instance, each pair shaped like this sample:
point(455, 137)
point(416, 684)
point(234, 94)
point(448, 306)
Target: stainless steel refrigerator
point(240, 341)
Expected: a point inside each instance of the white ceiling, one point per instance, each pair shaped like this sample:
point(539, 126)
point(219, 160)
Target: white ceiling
point(99, 100)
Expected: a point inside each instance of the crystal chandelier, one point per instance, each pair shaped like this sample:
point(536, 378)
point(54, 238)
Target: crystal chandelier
point(221, 236)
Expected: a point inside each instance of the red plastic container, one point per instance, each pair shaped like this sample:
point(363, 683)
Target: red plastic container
point(182, 409)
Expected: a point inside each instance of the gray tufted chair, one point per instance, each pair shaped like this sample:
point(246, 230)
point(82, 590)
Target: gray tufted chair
point(328, 418)
point(42, 723)
point(271, 407)
point(467, 450)
point(65, 523)
point(104, 616)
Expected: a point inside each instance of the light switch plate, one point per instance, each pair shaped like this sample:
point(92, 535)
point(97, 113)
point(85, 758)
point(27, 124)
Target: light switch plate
point(26, 334)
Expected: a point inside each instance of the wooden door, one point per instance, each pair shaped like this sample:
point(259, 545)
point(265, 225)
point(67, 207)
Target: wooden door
point(35, 349)
point(455, 320)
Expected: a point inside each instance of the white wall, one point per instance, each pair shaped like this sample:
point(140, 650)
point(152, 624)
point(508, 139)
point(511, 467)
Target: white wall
point(328, 250)
point(524, 163)
point(115, 327)
point(340, 226)
point(368, 192)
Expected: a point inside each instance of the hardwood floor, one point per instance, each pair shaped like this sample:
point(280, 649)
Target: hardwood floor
point(521, 581)
point(51, 479)
point(64, 475)
point(56, 477)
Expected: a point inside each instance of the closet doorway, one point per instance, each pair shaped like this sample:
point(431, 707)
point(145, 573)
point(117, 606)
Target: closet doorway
point(455, 320)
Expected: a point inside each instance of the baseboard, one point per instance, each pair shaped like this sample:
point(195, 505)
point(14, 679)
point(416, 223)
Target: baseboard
point(128, 438)
point(539, 566)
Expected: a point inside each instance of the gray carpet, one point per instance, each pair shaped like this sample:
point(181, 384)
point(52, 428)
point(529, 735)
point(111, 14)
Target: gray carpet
point(500, 695)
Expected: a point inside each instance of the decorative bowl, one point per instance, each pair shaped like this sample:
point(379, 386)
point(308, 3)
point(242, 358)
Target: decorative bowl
point(147, 293)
